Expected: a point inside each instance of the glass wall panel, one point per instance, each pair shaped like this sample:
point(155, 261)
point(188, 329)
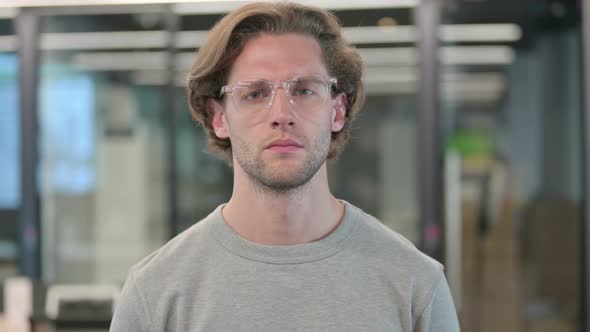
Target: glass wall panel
point(102, 143)
point(511, 98)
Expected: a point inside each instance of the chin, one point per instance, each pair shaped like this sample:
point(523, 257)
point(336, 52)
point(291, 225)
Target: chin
point(284, 184)
point(284, 178)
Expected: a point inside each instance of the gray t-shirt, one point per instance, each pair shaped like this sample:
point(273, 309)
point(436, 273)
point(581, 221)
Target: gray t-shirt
point(361, 277)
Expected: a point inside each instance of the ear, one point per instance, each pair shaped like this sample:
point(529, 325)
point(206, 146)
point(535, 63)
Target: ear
point(339, 112)
point(218, 118)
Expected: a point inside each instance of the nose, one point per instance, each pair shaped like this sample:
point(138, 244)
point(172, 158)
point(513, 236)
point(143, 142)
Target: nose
point(281, 114)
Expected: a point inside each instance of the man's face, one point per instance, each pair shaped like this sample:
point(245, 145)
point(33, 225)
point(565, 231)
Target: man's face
point(283, 147)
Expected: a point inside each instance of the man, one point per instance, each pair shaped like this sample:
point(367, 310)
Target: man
point(276, 88)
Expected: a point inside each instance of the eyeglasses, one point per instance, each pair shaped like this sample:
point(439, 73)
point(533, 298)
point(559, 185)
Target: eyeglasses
point(305, 93)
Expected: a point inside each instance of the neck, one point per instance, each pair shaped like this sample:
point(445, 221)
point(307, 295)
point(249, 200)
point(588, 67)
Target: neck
point(301, 215)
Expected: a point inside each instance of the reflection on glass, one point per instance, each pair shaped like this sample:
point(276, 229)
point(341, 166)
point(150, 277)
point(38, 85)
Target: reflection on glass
point(69, 133)
point(9, 133)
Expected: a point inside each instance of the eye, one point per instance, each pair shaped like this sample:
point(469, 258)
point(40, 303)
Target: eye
point(253, 95)
point(307, 87)
point(303, 92)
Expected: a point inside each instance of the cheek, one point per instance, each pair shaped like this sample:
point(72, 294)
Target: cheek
point(316, 118)
point(320, 126)
point(240, 124)
point(244, 131)
point(246, 122)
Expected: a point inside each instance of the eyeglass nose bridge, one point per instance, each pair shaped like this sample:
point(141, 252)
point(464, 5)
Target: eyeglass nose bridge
point(274, 87)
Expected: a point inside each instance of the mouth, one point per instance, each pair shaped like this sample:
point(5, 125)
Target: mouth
point(284, 145)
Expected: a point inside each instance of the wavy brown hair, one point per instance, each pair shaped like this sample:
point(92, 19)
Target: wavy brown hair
point(227, 39)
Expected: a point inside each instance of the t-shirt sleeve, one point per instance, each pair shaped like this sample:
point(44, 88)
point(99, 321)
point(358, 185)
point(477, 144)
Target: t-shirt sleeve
point(129, 310)
point(440, 315)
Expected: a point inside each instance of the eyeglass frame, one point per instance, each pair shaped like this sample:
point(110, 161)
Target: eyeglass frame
point(228, 89)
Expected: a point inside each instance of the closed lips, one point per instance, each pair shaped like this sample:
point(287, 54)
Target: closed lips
point(284, 142)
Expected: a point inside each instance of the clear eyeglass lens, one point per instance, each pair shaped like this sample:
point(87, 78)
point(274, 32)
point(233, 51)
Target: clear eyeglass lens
point(253, 94)
point(306, 93)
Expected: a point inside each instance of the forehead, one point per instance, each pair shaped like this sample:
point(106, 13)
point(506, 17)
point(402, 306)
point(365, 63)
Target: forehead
point(278, 57)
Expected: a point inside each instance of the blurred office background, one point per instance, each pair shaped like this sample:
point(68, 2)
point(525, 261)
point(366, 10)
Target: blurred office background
point(100, 162)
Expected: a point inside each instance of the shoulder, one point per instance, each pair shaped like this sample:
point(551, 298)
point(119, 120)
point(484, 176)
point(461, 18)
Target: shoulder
point(395, 259)
point(185, 254)
point(381, 242)
point(155, 283)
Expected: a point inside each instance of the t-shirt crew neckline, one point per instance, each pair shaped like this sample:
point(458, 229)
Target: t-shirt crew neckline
point(286, 254)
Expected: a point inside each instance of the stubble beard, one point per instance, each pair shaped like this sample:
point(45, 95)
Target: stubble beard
point(270, 177)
